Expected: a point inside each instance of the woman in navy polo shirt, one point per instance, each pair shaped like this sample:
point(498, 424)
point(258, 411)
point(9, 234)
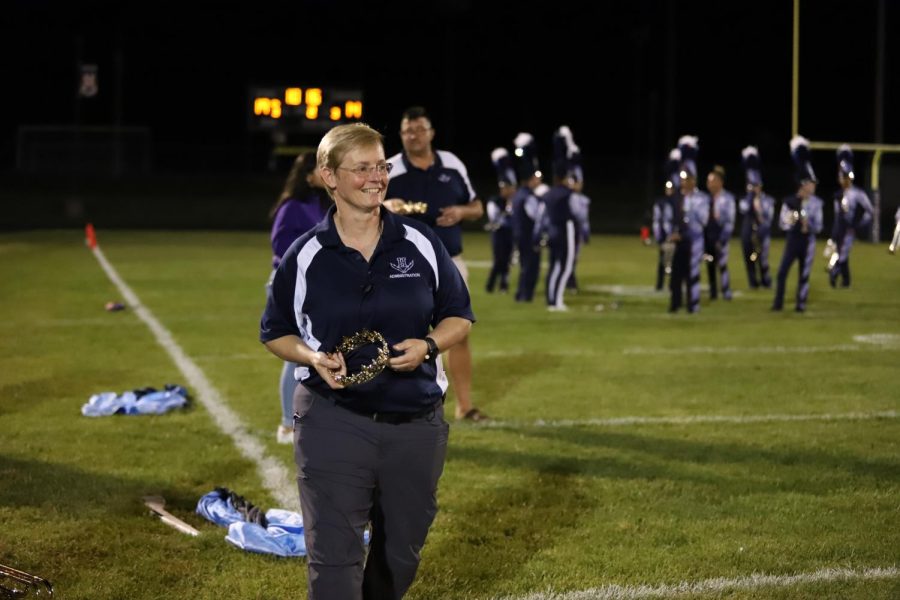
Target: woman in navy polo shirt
point(371, 452)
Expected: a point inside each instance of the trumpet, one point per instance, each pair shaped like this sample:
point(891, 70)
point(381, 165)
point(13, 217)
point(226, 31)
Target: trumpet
point(831, 255)
point(896, 241)
point(754, 241)
point(668, 254)
point(19, 584)
point(754, 233)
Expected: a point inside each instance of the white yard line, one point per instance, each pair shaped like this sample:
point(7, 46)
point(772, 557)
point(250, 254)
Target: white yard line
point(275, 477)
point(717, 585)
point(694, 419)
point(650, 350)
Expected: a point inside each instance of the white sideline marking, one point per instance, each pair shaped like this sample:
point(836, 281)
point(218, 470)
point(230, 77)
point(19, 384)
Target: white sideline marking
point(479, 264)
point(744, 349)
point(735, 419)
point(275, 477)
point(716, 585)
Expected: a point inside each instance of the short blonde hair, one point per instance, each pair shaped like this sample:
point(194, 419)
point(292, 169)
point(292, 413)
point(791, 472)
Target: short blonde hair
point(342, 140)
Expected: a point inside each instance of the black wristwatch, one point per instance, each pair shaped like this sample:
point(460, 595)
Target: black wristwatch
point(433, 351)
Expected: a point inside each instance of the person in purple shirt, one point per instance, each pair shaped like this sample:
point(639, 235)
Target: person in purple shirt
point(302, 204)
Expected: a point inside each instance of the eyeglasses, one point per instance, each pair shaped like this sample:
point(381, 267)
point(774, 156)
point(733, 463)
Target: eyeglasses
point(381, 169)
point(414, 131)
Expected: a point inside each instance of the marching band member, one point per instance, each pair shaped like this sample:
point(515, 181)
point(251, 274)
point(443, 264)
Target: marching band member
point(801, 220)
point(558, 220)
point(525, 210)
point(690, 216)
point(662, 217)
point(757, 209)
point(852, 214)
point(718, 231)
point(581, 210)
point(499, 211)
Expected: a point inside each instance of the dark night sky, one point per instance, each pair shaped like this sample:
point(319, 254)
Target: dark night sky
point(627, 77)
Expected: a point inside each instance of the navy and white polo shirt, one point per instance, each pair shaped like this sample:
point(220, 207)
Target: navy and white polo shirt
point(324, 291)
point(444, 183)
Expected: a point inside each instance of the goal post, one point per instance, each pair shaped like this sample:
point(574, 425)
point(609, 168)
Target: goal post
point(877, 149)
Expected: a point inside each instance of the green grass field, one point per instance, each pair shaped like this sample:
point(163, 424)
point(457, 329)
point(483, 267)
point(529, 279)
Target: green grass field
point(606, 464)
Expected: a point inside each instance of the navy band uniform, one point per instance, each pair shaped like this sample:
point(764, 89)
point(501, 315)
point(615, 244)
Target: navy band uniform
point(558, 220)
point(690, 214)
point(718, 232)
point(757, 210)
point(852, 215)
point(499, 213)
point(526, 208)
point(801, 220)
point(663, 209)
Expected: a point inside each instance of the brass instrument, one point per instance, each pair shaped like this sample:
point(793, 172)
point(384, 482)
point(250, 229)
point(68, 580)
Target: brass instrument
point(754, 231)
point(798, 216)
point(19, 584)
point(668, 255)
point(755, 243)
point(831, 255)
point(896, 241)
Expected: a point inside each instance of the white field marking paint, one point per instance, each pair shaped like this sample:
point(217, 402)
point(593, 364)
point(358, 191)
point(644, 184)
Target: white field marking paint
point(274, 476)
point(716, 585)
point(479, 264)
point(640, 291)
point(694, 420)
point(239, 357)
point(751, 349)
point(882, 339)
point(869, 341)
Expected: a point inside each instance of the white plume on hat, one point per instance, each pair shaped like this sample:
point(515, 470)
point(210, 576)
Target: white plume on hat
point(688, 140)
point(797, 141)
point(523, 139)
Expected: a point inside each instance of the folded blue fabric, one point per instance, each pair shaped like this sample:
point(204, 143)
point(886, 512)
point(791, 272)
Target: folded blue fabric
point(282, 536)
point(152, 402)
point(213, 507)
point(272, 540)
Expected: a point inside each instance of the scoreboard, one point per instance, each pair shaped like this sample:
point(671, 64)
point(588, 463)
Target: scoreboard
point(298, 108)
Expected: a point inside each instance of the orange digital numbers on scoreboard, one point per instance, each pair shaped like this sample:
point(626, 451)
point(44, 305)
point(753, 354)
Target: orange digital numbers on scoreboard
point(303, 108)
point(353, 109)
point(293, 96)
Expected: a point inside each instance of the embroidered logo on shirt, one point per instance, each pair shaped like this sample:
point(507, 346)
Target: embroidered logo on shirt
point(402, 267)
point(444, 178)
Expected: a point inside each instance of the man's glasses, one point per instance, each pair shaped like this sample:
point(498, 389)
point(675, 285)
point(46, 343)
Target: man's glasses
point(381, 169)
point(414, 131)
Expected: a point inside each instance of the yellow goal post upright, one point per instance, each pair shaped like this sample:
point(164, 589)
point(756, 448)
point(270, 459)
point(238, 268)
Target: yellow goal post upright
point(876, 149)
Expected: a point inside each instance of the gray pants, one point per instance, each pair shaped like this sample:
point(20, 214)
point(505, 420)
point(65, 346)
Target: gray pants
point(353, 471)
